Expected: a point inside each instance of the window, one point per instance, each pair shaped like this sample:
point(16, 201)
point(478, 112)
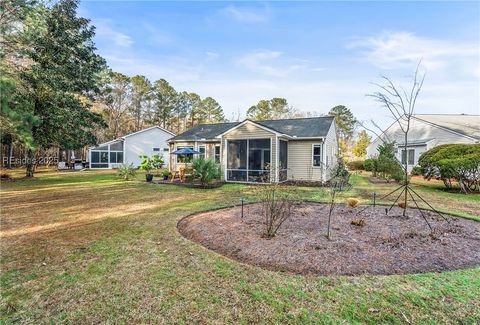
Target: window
point(411, 156)
point(184, 158)
point(166, 150)
point(248, 160)
point(116, 146)
point(317, 155)
point(116, 157)
point(217, 154)
point(201, 149)
point(156, 149)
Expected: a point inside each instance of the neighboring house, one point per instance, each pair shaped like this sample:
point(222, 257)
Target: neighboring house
point(258, 151)
point(427, 131)
point(128, 148)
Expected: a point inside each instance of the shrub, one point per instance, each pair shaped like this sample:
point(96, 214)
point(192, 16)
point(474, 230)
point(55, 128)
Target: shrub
point(386, 164)
point(352, 202)
point(356, 165)
point(417, 171)
point(126, 171)
point(453, 163)
point(369, 164)
point(150, 163)
point(206, 170)
point(278, 203)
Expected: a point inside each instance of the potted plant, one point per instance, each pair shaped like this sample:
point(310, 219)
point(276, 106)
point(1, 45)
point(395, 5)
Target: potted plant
point(147, 165)
point(165, 173)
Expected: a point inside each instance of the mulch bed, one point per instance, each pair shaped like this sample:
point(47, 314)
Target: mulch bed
point(390, 244)
point(190, 185)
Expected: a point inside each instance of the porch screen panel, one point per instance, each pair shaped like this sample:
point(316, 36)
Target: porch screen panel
point(259, 163)
point(248, 160)
point(237, 160)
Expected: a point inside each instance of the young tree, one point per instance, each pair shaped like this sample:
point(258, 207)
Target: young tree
point(360, 147)
point(62, 69)
point(401, 105)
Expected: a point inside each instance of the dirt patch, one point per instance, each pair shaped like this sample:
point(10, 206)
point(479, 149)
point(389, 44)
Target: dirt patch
point(390, 244)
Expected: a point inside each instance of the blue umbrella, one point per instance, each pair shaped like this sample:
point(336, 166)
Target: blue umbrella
point(186, 151)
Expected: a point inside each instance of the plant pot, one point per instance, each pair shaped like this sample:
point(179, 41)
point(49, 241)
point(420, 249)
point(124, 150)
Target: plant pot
point(149, 177)
point(165, 178)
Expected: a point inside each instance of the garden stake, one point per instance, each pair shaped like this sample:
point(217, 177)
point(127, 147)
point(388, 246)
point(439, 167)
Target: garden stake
point(374, 196)
point(421, 212)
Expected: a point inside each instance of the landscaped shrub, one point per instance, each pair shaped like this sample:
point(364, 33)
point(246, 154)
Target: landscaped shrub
point(356, 165)
point(386, 165)
point(417, 171)
point(126, 171)
point(278, 203)
point(206, 170)
point(352, 202)
point(369, 164)
point(454, 163)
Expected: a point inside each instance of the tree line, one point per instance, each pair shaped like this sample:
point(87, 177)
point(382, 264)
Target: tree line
point(129, 104)
point(57, 92)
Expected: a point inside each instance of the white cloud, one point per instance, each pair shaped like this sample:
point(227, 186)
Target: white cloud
point(392, 50)
point(246, 15)
point(269, 63)
point(105, 31)
point(211, 56)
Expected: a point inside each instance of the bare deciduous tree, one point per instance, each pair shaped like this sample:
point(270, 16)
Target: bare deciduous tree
point(401, 105)
point(278, 203)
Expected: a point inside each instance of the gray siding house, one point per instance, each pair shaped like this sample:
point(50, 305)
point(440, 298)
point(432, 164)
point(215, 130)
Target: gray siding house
point(258, 151)
point(426, 132)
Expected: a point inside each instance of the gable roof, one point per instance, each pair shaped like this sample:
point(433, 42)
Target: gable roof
point(314, 127)
point(133, 133)
point(204, 131)
point(467, 125)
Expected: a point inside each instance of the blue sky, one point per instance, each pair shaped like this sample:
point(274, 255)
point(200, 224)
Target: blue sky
point(315, 54)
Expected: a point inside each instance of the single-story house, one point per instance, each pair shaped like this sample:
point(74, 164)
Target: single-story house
point(127, 149)
point(427, 131)
point(264, 151)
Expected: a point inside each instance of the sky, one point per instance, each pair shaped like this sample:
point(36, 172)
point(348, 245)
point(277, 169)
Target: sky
point(314, 54)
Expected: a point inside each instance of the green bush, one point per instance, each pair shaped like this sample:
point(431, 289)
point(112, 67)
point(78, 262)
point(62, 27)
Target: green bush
point(206, 170)
point(369, 164)
point(453, 163)
point(386, 165)
point(356, 165)
point(150, 163)
point(417, 171)
point(126, 171)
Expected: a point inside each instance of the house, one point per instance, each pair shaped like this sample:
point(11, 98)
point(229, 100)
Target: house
point(258, 151)
point(128, 148)
point(427, 131)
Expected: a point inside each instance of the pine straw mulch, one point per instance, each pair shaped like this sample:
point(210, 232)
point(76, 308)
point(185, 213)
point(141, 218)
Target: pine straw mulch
point(390, 244)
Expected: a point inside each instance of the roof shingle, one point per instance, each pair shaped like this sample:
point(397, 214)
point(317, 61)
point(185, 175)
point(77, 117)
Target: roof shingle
point(313, 127)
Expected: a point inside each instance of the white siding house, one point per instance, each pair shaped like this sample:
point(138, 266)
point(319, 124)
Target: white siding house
point(128, 148)
point(428, 131)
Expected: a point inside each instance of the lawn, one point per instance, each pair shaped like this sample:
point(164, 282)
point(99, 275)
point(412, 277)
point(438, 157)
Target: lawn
point(86, 247)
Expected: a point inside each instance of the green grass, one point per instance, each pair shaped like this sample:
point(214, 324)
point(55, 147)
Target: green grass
point(87, 247)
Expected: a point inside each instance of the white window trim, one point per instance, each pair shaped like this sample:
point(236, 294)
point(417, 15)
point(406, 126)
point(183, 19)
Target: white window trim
point(321, 155)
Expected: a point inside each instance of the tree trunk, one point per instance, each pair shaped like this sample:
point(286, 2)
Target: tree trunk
point(10, 154)
point(30, 167)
